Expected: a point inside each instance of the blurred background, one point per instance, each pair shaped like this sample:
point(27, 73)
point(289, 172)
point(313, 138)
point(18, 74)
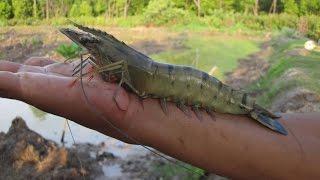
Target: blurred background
point(268, 47)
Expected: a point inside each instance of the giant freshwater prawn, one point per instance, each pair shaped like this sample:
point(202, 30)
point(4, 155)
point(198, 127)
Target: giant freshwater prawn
point(185, 86)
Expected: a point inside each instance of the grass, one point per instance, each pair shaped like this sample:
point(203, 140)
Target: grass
point(172, 171)
point(39, 114)
point(69, 51)
point(273, 83)
point(205, 52)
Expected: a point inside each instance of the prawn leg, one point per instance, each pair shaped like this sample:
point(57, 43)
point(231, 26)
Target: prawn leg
point(120, 68)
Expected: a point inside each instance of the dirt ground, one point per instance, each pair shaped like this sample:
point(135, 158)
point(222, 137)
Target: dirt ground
point(27, 155)
point(250, 69)
point(19, 43)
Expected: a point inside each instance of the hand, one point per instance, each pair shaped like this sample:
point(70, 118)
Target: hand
point(234, 146)
point(49, 85)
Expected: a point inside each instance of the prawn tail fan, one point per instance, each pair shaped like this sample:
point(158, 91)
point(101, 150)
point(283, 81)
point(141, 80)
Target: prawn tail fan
point(267, 120)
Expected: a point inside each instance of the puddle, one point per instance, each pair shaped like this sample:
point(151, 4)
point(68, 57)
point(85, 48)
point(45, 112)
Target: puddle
point(51, 126)
point(48, 125)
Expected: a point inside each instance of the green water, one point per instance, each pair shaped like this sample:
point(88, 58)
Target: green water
point(205, 52)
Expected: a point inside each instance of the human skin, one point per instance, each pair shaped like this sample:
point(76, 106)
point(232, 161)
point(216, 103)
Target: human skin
point(230, 145)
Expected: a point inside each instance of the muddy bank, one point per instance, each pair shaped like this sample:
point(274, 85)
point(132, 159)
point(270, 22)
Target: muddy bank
point(255, 66)
point(27, 155)
point(297, 100)
point(250, 69)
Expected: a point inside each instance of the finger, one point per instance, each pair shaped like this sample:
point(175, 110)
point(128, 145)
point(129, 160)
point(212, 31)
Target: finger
point(16, 67)
point(39, 61)
point(9, 66)
point(67, 69)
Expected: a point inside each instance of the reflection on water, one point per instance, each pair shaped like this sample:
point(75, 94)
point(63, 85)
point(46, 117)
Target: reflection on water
point(48, 125)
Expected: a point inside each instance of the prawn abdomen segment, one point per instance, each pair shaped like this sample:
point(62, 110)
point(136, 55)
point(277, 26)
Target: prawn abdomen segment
point(182, 84)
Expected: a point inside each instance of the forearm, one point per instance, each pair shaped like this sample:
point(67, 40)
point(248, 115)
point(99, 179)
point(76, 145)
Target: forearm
point(234, 146)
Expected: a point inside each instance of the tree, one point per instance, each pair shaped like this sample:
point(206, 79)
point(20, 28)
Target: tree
point(126, 7)
point(256, 8)
point(74, 11)
point(61, 7)
point(244, 5)
point(198, 4)
point(138, 7)
point(86, 9)
point(223, 4)
point(47, 9)
point(79, 8)
point(35, 9)
point(310, 6)
point(162, 12)
point(22, 8)
point(100, 7)
point(273, 7)
point(315, 4)
point(291, 7)
point(5, 9)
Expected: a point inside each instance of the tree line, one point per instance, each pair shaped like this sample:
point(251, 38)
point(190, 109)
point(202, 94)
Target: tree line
point(45, 9)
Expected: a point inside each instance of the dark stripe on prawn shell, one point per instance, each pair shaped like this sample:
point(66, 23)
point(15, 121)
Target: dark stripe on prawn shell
point(170, 72)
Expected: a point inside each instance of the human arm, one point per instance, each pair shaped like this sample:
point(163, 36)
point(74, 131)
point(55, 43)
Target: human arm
point(231, 145)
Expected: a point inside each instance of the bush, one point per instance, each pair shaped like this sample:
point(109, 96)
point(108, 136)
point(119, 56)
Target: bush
point(313, 27)
point(69, 51)
point(22, 8)
point(81, 9)
point(5, 10)
point(159, 12)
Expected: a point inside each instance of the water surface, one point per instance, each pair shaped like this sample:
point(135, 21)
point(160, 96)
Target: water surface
point(51, 126)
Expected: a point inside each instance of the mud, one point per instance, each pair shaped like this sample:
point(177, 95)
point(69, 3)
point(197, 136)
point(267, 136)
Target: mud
point(27, 155)
point(256, 65)
point(17, 46)
point(297, 100)
point(250, 69)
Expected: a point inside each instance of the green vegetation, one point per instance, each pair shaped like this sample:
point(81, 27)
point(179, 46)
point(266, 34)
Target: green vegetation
point(69, 51)
point(243, 15)
point(39, 114)
point(289, 55)
point(35, 42)
point(170, 171)
point(206, 52)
